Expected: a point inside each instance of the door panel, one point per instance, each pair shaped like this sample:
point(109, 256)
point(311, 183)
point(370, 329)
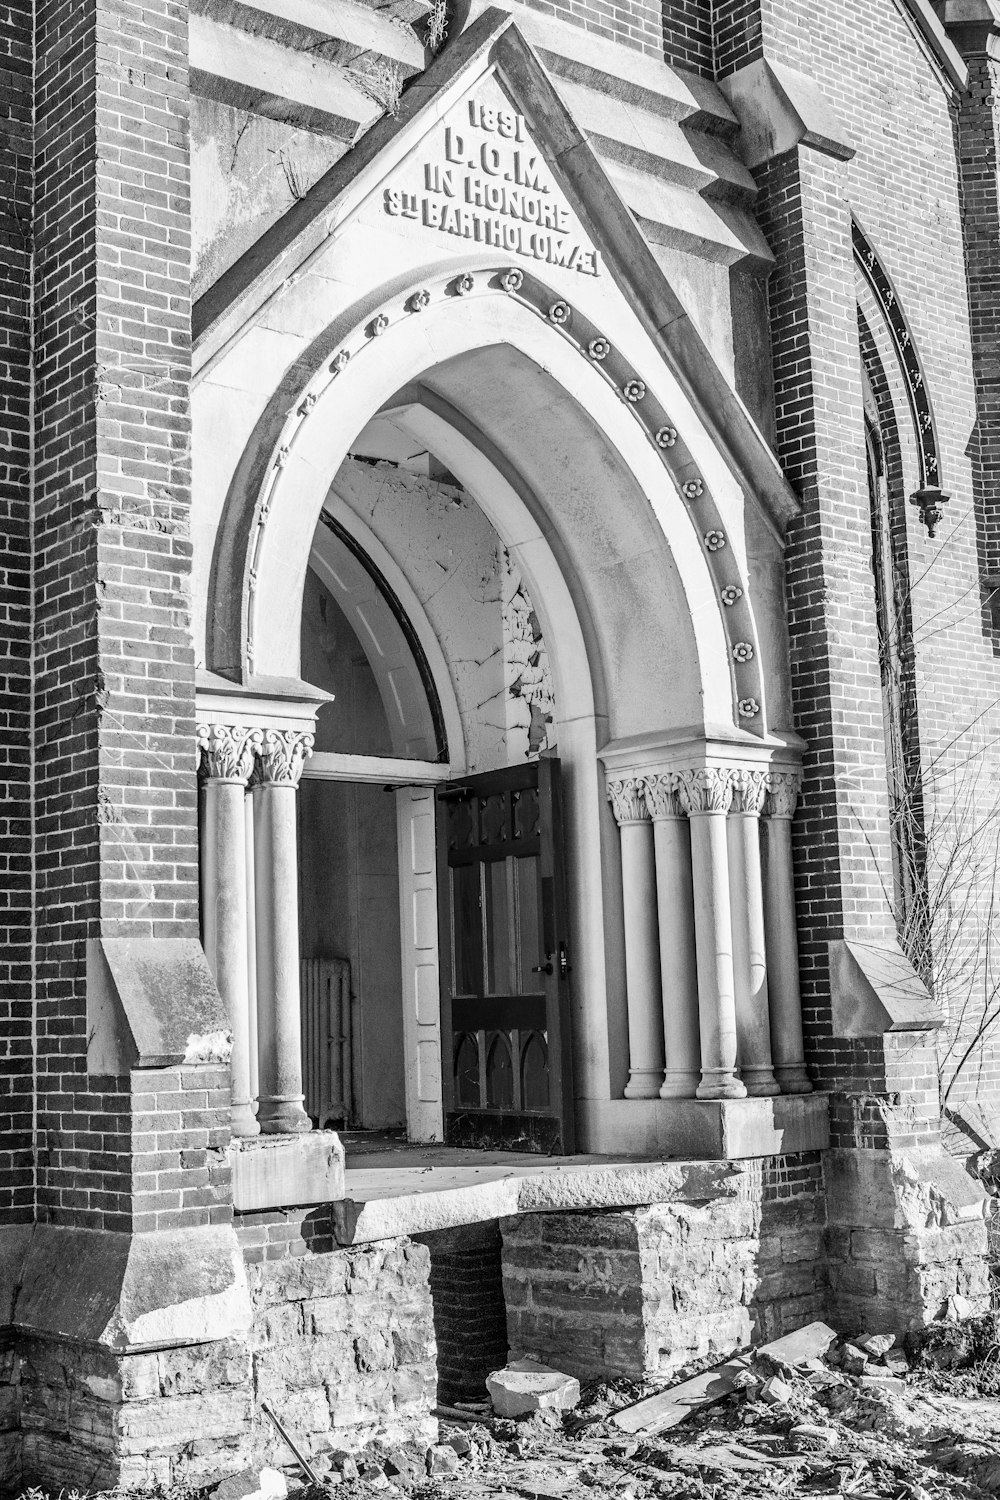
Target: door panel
point(505, 971)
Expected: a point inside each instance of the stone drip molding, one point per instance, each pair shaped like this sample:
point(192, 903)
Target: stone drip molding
point(636, 395)
point(905, 349)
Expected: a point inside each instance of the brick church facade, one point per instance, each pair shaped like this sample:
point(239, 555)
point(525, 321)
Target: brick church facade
point(500, 641)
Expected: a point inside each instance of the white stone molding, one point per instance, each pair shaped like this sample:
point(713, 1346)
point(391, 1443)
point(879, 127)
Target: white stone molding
point(227, 762)
point(663, 796)
point(787, 1044)
point(279, 1026)
point(749, 791)
point(706, 790)
point(675, 915)
point(228, 751)
point(753, 1026)
point(783, 790)
point(627, 795)
point(642, 955)
point(706, 794)
point(281, 757)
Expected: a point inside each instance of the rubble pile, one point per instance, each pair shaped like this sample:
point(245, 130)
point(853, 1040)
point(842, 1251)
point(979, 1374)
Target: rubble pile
point(811, 1414)
point(867, 1417)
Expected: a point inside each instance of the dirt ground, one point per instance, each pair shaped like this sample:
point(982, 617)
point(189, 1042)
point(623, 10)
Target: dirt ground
point(926, 1425)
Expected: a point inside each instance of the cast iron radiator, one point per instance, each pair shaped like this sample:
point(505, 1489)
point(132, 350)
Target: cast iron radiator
point(326, 1040)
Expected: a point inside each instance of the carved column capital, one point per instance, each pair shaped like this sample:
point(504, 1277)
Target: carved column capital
point(227, 752)
point(281, 757)
point(783, 788)
point(705, 789)
point(662, 797)
point(749, 790)
point(627, 797)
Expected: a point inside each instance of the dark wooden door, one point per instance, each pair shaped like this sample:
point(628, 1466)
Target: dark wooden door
point(505, 961)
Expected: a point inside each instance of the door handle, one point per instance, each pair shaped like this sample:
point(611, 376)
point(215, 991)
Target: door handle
point(545, 968)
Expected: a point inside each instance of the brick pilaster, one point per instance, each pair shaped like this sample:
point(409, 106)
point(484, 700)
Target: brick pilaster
point(115, 793)
point(16, 1069)
point(978, 119)
point(842, 832)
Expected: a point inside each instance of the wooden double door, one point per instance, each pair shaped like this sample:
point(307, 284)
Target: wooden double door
point(505, 969)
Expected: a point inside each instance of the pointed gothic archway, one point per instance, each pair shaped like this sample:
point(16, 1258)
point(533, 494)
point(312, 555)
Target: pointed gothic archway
point(618, 472)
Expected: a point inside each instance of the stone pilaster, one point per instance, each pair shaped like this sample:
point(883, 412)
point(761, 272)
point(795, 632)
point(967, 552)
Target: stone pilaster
point(227, 756)
point(281, 756)
point(706, 794)
point(642, 956)
point(678, 961)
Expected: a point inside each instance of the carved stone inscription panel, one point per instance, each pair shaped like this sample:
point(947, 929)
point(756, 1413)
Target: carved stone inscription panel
point(479, 176)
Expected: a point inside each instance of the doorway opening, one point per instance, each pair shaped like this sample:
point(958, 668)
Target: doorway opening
point(434, 945)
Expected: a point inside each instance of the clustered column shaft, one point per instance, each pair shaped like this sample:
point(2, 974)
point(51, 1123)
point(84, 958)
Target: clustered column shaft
point(250, 915)
point(710, 954)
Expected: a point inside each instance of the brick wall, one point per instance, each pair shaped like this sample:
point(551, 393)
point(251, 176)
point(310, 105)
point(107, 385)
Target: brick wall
point(16, 1047)
point(687, 35)
point(470, 1317)
point(633, 23)
point(115, 794)
point(904, 187)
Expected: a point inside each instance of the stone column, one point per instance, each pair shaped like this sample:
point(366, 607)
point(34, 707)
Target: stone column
point(706, 794)
point(279, 1024)
point(678, 963)
point(227, 760)
point(787, 1046)
point(746, 897)
point(642, 959)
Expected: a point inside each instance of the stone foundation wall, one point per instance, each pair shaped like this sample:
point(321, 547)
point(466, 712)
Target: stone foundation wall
point(343, 1344)
point(907, 1231)
point(643, 1291)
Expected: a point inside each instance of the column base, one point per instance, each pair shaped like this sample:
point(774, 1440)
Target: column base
point(720, 1085)
point(283, 1115)
point(794, 1079)
point(760, 1083)
point(243, 1122)
point(286, 1171)
point(643, 1084)
point(678, 1085)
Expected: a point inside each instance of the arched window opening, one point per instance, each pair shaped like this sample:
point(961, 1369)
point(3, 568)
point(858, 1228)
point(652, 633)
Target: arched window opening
point(893, 617)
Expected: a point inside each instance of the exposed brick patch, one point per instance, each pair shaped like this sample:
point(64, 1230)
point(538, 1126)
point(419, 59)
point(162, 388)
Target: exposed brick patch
point(470, 1319)
point(738, 36)
point(687, 35)
point(636, 25)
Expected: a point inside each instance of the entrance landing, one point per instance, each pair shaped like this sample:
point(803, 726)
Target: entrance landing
point(393, 1188)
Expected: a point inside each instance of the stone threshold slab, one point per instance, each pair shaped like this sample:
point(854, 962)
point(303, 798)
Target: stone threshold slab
point(414, 1190)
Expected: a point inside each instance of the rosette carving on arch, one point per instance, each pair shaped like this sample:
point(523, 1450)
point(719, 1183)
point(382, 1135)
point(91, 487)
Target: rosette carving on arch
point(705, 789)
point(282, 756)
point(663, 796)
point(783, 789)
point(228, 751)
point(628, 800)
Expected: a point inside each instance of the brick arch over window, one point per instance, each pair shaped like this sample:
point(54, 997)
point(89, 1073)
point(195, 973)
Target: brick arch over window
point(887, 483)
